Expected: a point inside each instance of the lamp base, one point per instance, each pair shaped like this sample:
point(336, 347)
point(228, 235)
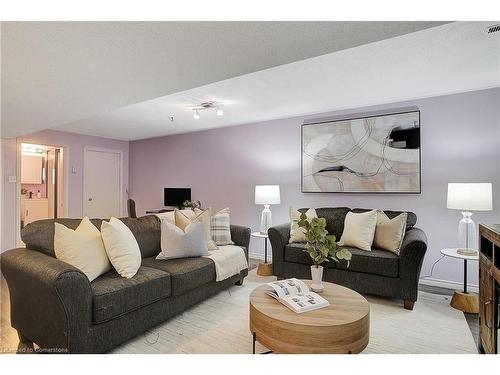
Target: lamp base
point(265, 219)
point(466, 232)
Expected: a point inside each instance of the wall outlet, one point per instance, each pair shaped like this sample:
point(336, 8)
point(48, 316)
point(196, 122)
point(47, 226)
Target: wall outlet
point(12, 179)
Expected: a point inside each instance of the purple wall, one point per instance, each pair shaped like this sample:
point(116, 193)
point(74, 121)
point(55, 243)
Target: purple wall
point(75, 144)
point(460, 143)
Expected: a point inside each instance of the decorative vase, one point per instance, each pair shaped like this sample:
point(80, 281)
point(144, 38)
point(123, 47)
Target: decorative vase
point(317, 276)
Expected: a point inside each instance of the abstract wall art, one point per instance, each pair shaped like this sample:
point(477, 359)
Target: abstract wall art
point(364, 154)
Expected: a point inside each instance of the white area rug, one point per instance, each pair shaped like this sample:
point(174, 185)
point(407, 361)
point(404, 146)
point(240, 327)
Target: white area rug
point(220, 325)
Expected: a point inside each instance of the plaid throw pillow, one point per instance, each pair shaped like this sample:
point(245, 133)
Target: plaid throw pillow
point(220, 228)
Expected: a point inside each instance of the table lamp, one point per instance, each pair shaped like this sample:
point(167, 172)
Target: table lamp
point(469, 197)
point(266, 195)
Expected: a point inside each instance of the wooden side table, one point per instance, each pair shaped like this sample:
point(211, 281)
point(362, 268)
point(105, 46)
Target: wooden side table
point(264, 269)
point(463, 301)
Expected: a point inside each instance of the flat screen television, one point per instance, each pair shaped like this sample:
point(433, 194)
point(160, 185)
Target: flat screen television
point(175, 197)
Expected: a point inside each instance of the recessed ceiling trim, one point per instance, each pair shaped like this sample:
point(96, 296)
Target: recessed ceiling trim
point(450, 59)
point(56, 73)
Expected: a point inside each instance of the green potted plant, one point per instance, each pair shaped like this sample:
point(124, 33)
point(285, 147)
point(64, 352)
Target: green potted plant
point(321, 247)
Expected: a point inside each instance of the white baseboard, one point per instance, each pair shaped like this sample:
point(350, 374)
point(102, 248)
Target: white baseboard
point(260, 256)
point(427, 281)
point(448, 284)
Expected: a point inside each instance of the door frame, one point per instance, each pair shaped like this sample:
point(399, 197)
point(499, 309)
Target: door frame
point(65, 149)
point(84, 192)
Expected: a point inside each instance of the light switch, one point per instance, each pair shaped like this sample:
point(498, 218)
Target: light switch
point(12, 179)
point(73, 170)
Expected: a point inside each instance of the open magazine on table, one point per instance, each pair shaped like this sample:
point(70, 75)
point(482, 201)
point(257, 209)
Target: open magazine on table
point(296, 295)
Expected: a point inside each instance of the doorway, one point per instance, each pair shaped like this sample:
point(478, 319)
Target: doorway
point(102, 183)
point(41, 183)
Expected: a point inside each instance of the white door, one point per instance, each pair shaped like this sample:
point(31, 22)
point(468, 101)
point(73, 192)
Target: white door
point(102, 184)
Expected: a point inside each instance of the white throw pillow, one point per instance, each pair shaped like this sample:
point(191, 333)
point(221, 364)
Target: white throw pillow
point(298, 234)
point(121, 246)
point(185, 217)
point(82, 248)
point(359, 230)
point(178, 243)
point(389, 233)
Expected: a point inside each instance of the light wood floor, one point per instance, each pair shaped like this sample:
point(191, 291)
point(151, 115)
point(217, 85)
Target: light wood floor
point(9, 339)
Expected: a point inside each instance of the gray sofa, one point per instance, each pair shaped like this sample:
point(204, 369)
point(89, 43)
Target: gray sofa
point(55, 306)
point(377, 272)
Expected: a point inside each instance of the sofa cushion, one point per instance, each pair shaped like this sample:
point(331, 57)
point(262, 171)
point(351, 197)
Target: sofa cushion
point(39, 235)
point(296, 253)
point(147, 232)
point(186, 273)
point(411, 220)
point(376, 261)
point(334, 216)
point(114, 295)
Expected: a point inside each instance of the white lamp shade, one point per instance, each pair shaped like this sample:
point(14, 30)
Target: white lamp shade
point(267, 194)
point(470, 196)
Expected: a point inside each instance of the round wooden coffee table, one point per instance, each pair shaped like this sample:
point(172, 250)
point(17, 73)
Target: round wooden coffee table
point(342, 327)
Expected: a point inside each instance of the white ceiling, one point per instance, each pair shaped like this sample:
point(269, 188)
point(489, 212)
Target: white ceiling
point(452, 58)
point(55, 73)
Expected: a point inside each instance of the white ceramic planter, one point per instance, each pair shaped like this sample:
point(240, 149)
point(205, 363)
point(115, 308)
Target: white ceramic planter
point(317, 277)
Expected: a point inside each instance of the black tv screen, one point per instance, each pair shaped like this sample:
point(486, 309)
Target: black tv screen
point(176, 196)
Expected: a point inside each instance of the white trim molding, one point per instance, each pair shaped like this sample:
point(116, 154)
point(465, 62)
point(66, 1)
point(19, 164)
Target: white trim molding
point(455, 285)
point(260, 256)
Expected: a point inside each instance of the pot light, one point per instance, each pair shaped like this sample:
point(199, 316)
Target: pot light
point(196, 115)
point(220, 111)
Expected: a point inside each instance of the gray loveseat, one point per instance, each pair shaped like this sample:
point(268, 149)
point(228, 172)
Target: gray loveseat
point(54, 305)
point(377, 272)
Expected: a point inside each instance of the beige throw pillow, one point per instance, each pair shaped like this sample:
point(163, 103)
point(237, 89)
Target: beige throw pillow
point(298, 234)
point(183, 219)
point(389, 233)
point(121, 246)
point(82, 248)
point(359, 230)
point(170, 215)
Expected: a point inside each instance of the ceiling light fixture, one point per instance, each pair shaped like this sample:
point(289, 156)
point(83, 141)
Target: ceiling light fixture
point(207, 105)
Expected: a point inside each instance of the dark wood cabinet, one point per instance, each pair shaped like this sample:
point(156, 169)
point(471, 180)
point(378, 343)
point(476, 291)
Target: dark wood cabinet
point(489, 279)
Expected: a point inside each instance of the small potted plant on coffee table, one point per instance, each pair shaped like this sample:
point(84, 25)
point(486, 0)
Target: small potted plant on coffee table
point(321, 247)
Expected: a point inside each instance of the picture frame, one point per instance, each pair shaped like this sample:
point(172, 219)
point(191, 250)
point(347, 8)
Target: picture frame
point(370, 153)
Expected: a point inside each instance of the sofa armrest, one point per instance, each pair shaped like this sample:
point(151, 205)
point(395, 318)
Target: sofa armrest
point(240, 235)
point(51, 301)
point(411, 257)
point(279, 236)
